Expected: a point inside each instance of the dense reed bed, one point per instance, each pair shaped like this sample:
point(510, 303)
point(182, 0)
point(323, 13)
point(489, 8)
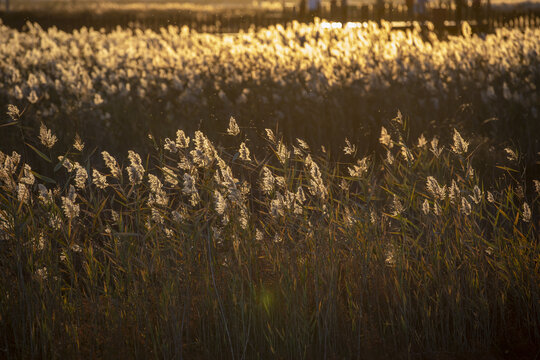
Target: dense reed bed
point(309, 80)
point(195, 250)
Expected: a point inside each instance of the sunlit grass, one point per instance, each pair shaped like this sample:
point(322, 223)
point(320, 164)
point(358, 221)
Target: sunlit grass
point(313, 81)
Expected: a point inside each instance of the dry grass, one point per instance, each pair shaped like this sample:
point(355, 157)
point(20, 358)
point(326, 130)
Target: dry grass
point(196, 252)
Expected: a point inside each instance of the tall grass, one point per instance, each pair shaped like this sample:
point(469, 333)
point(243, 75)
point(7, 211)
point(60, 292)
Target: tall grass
point(195, 251)
point(313, 82)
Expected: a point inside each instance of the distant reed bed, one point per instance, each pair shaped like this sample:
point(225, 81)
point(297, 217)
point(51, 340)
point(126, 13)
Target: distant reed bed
point(308, 80)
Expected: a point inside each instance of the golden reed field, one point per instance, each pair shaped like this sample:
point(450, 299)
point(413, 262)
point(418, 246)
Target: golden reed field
point(305, 191)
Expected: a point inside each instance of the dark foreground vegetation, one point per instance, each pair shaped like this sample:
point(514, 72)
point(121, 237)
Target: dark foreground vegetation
point(190, 251)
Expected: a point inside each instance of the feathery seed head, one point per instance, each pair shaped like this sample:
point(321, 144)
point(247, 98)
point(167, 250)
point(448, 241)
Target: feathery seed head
point(399, 118)
point(111, 163)
point(66, 163)
point(233, 128)
point(477, 195)
point(460, 146)
point(385, 138)
point(45, 196)
point(221, 203)
point(349, 149)
point(282, 152)
point(360, 168)
point(267, 181)
point(135, 170)
point(397, 206)
point(28, 177)
point(435, 147)
point(454, 193)
point(157, 195)
point(170, 146)
point(13, 112)
point(317, 187)
point(422, 142)
point(389, 157)
point(300, 195)
point(23, 194)
point(182, 141)
point(406, 153)
point(425, 207)
point(466, 208)
point(190, 189)
point(78, 144)
point(270, 135)
point(71, 210)
point(436, 190)
point(244, 152)
point(526, 212)
point(81, 175)
point(511, 155)
point(99, 179)
point(170, 176)
point(302, 144)
point(437, 209)
point(47, 138)
point(537, 186)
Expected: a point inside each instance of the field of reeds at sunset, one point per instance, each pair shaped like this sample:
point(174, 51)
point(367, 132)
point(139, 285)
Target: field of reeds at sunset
point(297, 191)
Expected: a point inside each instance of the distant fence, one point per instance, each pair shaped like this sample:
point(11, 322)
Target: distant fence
point(515, 18)
point(481, 18)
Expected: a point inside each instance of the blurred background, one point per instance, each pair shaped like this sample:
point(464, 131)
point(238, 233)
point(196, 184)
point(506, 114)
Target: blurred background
point(234, 15)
